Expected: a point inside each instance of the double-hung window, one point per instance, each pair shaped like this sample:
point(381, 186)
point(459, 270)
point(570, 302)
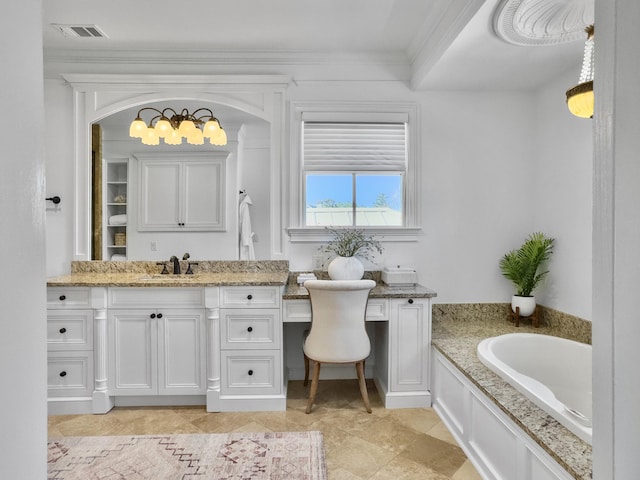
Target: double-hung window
point(354, 173)
point(354, 165)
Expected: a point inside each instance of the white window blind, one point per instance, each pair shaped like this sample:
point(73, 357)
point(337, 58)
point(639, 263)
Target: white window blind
point(354, 146)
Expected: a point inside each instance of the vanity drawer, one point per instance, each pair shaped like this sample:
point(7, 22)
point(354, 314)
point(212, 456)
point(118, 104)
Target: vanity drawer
point(135, 297)
point(70, 330)
point(250, 328)
point(250, 297)
point(251, 373)
point(298, 310)
point(68, 297)
point(70, 374)
point(377, 310)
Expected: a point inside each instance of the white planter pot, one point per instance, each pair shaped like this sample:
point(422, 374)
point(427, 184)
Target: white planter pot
point(527, 305)
point(345, 268)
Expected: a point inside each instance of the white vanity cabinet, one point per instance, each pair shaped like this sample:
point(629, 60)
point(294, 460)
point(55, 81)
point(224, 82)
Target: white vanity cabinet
point(401, 345)
point(177, 195)
point(251, 348)
point(156, 341)
point(70, 373)
point(410, 329)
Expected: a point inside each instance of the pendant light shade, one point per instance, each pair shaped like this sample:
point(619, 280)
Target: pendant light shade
point(580, 98)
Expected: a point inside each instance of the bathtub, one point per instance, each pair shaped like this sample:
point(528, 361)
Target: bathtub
point(554, 373)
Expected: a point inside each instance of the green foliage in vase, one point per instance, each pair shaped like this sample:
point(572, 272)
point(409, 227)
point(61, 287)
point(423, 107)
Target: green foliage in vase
point(521, 265)
point(348, 242)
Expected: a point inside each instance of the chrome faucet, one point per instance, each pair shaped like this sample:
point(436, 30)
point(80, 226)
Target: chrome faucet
point(176, 265)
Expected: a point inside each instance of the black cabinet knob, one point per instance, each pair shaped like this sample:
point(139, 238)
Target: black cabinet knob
point(159, 315)
point(63, 374)
point(250, 329)
point(411, 300)
point(249, 297)
point(63, 330)
point(250, 372)
point(63, 297)
point(153, 315)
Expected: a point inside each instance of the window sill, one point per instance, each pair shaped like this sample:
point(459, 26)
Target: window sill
point(382, 234)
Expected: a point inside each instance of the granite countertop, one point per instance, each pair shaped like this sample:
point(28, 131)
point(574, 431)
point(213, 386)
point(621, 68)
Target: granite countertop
point(147, 274)
point(210, 273)
point(457, 337)
point(294, 291)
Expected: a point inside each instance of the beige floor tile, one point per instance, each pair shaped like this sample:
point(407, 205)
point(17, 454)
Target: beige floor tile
point(358, 456)
point(341, 474)
point(439, 430)
point(466, 472)
point(399, 444)
point(419, 419)
point(399, 468)
point(435, 454)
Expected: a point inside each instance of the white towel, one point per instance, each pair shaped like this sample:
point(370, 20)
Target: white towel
point(118, 219)
point(246, 235)
point(117, 257)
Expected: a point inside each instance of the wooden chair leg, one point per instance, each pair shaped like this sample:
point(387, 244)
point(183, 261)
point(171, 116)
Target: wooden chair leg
point(314, 386)
point(363, 385)
point(306, 370)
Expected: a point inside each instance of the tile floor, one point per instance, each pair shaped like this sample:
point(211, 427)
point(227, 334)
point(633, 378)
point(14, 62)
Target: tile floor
point(386, 444)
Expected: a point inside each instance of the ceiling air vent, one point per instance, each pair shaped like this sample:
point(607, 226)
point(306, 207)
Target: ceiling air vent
point(80, 31)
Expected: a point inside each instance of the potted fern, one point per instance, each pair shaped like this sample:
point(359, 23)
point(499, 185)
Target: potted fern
point(349, 245)
point(522, 266)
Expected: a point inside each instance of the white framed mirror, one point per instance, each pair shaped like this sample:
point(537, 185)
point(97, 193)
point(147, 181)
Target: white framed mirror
point(107, 98)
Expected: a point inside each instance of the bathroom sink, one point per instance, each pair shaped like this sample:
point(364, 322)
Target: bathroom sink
point(399, 276)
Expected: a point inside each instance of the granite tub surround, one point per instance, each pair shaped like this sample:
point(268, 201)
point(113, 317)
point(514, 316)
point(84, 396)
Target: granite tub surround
point(148, 274)
point(381, 290)
point(457, 330)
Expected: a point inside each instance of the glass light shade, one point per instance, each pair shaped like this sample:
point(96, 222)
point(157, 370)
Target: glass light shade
point(173, 138)
point(580, 100)
point(580, 97)
point(138, 128)
point(195, 137)
point(220, 138)
point(163, 127)
point(186, 127)
point(151, 137)
point(210, 128)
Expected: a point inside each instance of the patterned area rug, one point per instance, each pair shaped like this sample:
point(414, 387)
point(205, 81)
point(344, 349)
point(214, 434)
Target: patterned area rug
point(233, 456)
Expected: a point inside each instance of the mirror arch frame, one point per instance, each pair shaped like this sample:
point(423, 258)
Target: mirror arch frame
point(98, 96)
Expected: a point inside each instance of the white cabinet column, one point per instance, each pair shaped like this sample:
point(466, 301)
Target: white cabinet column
point(212, 314)
point(102, 403)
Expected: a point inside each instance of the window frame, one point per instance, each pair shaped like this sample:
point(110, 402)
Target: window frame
point(354, 112)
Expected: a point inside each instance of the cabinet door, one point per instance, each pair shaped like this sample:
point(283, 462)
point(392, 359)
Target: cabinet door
point(409, 334)
point(203, 195)
point(181, 352)
point(159, 195)
point(181, 194)
point(133, 352)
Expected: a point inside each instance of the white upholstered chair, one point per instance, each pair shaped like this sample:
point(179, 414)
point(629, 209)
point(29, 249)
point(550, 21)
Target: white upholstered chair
point(337, 332)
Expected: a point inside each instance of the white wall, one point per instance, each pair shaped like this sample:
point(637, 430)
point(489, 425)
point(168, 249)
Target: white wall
point(563, 196)
point(485, 162)
point(59, 148)
point(23, 364)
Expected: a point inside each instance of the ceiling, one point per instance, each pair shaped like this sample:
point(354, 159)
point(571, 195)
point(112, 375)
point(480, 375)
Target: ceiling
point(439, 44)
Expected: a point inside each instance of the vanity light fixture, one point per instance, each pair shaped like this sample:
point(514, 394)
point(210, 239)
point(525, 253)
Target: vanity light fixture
point(580, 97)
point(173, 127)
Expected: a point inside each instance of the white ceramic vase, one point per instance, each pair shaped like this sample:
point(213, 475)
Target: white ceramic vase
point(527, 305)
point(345, 268)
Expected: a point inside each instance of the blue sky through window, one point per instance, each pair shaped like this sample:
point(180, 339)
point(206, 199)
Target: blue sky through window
point(370, 190)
